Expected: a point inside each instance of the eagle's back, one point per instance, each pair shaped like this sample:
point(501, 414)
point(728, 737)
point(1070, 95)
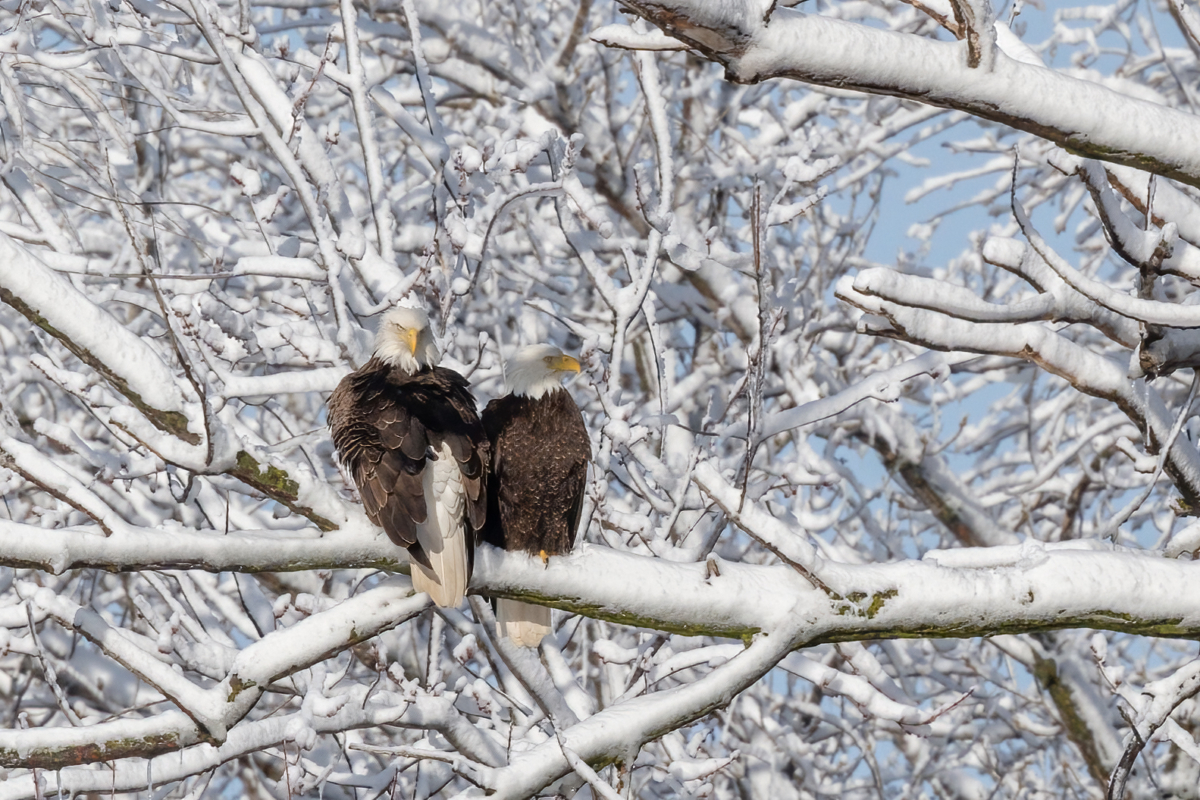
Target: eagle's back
point(540, 453)
point(385, 425)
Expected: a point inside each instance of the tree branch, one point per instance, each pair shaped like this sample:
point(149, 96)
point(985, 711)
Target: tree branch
point(830, 52)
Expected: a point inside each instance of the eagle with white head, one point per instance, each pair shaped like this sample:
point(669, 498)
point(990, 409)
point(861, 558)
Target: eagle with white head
point(410, 436)
point(540, 454)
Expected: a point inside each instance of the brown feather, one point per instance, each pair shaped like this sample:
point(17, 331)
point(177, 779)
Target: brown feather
point(539, 458)
point(384, 423)
point(540, 453)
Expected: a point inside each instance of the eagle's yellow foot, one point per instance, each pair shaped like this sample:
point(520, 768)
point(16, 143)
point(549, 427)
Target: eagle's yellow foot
point(545, 558)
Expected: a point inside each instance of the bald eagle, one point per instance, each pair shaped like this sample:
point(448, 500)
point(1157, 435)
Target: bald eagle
point(410, 436)
point(540, 453)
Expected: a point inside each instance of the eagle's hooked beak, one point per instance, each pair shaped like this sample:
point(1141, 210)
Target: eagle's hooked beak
point(563, 363)
point(409, 336)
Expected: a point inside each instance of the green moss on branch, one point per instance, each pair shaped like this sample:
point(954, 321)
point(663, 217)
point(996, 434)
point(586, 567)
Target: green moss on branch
point(277, 485)
point(93, 752)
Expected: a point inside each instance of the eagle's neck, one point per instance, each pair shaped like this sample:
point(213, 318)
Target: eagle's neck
point(396, 355)
point(534, 386)
point(383, 365)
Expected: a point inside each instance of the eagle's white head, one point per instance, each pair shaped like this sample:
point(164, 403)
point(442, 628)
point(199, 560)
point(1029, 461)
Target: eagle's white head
point(537, 369)
point(405, 341)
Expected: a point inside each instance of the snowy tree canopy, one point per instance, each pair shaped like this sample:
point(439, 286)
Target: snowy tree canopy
point(888, 325)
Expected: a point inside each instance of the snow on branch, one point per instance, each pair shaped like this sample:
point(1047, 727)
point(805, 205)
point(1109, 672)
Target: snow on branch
point(212, 711)
point(884, 385)
point(1081, 116)
point(125, 360)
point(1068, 305)
point(686, 598)
point(1149, 311)
point(129, 548)
point(54, 748)
point(60, 748)
point(625, 38)
point(645, 718)
point(1088, 372)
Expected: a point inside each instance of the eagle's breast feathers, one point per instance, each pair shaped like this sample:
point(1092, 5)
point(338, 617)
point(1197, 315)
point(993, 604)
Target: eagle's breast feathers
point(540, 453)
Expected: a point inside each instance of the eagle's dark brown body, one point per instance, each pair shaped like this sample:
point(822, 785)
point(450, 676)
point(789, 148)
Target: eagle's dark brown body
point(540, 453)
point(388, 427)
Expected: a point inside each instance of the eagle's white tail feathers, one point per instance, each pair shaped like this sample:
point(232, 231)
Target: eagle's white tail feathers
point(524, 623)
point(442, 535)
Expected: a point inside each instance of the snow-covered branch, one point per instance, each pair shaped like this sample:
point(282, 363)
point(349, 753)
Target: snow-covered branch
point(1081, 116)
point(130, 365)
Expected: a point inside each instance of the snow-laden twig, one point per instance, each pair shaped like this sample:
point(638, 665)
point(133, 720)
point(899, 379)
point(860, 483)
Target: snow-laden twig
point(626, 38)
point(863, 694)
point(1069, 305)
point(573, 231)
point(791, 549)
point(1148, 311)
point(433, 119)
point(215, 710)
point(1088, 372)
point(472, 771)
point(1145, 249)
point(588, 774)
point(380, 206)
point(49, 672)
point(1112, 529)
point(885, 385)
point(955, 301)
point(282, 383)
point(144, 662)
point(246, 738)
point(526, 668)
point(1154, 706)
point(35, 467)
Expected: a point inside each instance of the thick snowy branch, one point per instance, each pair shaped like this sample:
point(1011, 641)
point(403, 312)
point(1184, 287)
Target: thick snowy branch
point(877, 601)
point(125, 360)
point(130, 548)
point(1081, 116)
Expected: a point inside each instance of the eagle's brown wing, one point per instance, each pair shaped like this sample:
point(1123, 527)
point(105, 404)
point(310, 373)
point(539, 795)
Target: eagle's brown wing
point(383, 446)
point(384, 424)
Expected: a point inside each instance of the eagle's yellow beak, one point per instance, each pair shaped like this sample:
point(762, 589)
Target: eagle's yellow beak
point(409, 337)
point(563, 363)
